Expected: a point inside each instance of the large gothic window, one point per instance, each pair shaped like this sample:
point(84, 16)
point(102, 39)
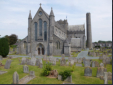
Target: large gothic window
point(35, 31)
point(45, 31)
point(40, 27)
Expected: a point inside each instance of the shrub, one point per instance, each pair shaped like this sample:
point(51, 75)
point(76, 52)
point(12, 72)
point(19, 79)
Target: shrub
point(46, 69)
point(65, 74)
point(4, 47)
point(111, 62)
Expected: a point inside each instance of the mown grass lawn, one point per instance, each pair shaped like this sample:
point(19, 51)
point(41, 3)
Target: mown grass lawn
point(77, 76)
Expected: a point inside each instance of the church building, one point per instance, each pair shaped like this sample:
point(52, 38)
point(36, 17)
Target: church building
point(49, 37)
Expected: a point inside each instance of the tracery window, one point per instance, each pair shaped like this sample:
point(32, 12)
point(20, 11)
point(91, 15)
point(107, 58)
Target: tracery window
point(35, 31)
point(45, 30)
point(40, 27)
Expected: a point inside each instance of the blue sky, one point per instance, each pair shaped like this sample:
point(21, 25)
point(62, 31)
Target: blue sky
point(14, 15)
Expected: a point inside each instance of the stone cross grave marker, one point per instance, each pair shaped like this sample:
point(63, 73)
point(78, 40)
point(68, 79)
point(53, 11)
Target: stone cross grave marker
point(8, 63)
point(105, 77)
point(87, 71)
point(25, 69)
point(15, 78)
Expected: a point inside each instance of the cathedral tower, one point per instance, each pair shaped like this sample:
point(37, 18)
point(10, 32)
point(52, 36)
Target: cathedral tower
point(89, 33)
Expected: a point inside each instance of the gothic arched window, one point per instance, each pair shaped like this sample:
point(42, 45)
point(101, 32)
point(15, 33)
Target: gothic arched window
point(24, 44)
point(40, 27)
point(35, 31)
point(45, 30)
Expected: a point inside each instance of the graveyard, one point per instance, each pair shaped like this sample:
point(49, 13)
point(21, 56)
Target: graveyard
point(85, 71)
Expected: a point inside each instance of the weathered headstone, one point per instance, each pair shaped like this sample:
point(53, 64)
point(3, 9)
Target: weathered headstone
point(54, 61)
point(63, 57)
point(32, 73)
point(67, 63)
point(87, 63)
point(87, 71)
point(72, 62)
point(100, 71)
point(93, 63)
point(62, 62)
point(75, 60)
point(101, 65)
point(68, 79)
point(69, 59)
point(57, 59)
point(97, 64)
point(107, 60)
point(78, 64)
point(8, 63)
point(23, 62)
point(59, 77)
point(40, 65)
point(80, 60)
point(28, 61)
point(25, 69)
point(83, 59)
point(0, 57)
point(33, 61)
point(38, 61)
point(15, 78)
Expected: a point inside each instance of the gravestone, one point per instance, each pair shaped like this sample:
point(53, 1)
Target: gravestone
point(67, 63)
point(72, 62)
point(25, 69)
point(94, 54)
point(79, 60)
point(97, 64)
point(15, 78)
point(109, 76)
point(62, 62)
point(40, 65)
point(87, 71)
point(8, 63)
point(75, 60)
point(87, 63)
point(0, 57)
point(105, 77)
point(23, 62)
point(107, 60)
point(53, 61)
point(38, 61)
point(93, 63)
point(47, 58)
point(44, 57)
point(69, 59)
point(32, 73)
point(78, 64)
point(57, 59)
point(63, 57)
point(28, 62)
point(83, 59)
point(100, 71)
point(101, 57)
point(101, 65)
point(33, 61)
point(59, 77)
point(68, 79)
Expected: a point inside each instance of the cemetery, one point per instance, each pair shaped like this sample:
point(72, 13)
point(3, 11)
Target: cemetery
point(29, 70)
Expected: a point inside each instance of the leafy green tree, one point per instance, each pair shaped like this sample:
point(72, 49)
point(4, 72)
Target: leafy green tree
point(13, 39)
point(4, 47)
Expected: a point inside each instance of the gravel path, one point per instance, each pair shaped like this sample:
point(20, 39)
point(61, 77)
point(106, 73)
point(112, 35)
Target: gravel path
point(84, 54)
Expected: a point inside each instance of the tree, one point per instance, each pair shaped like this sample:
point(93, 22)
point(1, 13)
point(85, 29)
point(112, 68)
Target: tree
point(7, 37)
point(4, 47)
point(13, 39)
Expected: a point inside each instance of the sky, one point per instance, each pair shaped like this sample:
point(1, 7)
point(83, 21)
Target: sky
point(14, 15)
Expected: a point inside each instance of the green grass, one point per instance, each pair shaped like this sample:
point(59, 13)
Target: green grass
point(77, 76)
point(75, 54)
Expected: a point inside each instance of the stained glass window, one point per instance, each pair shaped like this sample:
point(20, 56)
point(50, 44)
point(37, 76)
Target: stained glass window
point(45, 30)
point(35, 31)
point(40, 27)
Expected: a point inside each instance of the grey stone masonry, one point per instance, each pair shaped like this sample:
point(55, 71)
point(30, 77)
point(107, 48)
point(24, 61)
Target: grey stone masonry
point(79, 60)
point(87, 71)
point(8, 63)
point(25, 69)
point(93, 63)
point(15, 78)
point(89, 32)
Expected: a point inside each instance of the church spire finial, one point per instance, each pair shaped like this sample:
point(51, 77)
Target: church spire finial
point(51, 13)
point(40, 4)
point(30, 14)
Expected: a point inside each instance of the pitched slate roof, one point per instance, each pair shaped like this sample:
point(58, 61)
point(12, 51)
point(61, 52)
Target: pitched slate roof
point(76, 28)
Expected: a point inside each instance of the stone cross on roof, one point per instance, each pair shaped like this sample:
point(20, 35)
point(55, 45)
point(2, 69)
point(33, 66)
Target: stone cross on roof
point(40, 4)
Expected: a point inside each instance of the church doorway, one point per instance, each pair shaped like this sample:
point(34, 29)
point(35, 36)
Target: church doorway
point(41, 50)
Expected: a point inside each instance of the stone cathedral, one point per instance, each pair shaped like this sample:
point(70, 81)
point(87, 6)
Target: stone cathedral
point(49, 37)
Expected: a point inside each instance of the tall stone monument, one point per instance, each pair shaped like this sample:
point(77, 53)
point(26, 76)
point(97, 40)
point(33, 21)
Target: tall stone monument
point(89, 33)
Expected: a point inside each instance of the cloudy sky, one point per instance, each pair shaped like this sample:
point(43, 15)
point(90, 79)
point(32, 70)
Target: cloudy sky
point(14, 15)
